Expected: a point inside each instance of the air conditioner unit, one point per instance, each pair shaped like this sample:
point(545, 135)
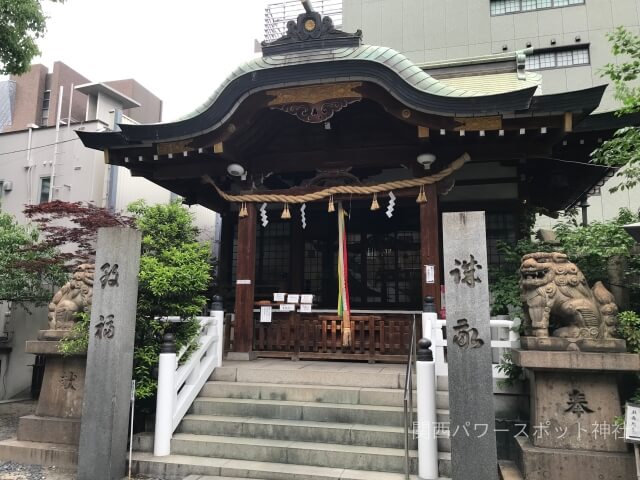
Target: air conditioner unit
point(7, 186)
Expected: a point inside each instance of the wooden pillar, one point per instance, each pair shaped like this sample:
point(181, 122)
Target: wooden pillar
point(245, 281)
point(430, 244)
point(225, 257)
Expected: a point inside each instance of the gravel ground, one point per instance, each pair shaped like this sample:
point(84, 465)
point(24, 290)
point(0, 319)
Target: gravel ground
point(9, 414)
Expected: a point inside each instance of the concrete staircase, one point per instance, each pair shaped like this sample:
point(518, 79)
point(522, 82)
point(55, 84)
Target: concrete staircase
point(274, 419)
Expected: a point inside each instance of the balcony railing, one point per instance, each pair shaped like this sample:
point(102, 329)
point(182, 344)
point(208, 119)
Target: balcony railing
point(278, 14)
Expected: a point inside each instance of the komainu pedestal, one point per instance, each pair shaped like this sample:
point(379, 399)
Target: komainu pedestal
point(51, 435)
point(574, 401)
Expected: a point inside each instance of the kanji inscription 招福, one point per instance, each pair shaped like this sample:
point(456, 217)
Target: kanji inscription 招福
point(109, 275)
point(105, 328)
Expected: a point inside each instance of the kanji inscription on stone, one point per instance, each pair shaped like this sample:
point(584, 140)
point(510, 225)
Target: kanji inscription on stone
point(465, 271)
point(107, 383)
point(67, 380)
point(466, 337)
point(110, 275)
point(105, 327)
point(578, 403)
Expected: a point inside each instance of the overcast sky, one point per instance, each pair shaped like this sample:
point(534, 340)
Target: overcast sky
point(180, 50)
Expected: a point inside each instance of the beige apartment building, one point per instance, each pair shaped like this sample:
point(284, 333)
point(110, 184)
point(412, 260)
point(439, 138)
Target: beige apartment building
point(565, 42)
point(35, 98)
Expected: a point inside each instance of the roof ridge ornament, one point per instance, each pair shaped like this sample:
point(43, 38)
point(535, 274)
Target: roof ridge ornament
point(311, 31)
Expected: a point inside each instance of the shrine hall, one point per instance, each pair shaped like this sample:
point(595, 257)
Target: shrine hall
point(331, 162)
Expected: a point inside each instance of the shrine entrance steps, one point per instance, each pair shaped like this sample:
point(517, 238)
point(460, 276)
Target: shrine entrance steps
point(286, 420)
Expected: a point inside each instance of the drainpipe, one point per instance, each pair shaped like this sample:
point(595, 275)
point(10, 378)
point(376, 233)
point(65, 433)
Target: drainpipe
point(113, 170)
point(583, 206)
point(307, 6)
point(55, 147)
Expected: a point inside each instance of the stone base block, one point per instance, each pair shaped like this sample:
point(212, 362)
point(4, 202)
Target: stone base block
point(508, 470)
point(573, 344)
point(553, 464)
point(49, 429)
point(42, 347)
point(53, 335)
point(38, 453)
point(242, 356)
point(574, 361)
point(62, 387)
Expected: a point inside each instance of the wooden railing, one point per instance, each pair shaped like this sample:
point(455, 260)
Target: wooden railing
point(317, 336)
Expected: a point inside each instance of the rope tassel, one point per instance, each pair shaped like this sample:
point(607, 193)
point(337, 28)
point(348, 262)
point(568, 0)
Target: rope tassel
point(422, 197)
point(374, 203)
point(332, 207)
point(286, 215)
point(243, 211)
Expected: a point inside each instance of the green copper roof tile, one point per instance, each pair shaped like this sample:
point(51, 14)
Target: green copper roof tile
point(392, 59)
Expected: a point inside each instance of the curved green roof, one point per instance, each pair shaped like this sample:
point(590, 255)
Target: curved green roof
point(395, 61)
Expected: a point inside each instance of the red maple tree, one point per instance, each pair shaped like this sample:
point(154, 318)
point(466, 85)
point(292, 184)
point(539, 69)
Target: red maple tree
point(72, 228)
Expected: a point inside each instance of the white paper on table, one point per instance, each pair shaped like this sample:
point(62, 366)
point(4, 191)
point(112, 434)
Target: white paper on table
point(293, 298)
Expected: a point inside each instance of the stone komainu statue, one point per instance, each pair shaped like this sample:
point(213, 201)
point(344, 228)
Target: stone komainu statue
point(74, 297)
point(554, 292)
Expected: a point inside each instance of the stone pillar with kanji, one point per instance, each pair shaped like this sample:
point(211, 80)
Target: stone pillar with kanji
point(107, 388)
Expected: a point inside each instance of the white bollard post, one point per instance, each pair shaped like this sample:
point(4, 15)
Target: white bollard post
point(217, 312)
point(426, 390)
point(429, 317)
point(166, 396)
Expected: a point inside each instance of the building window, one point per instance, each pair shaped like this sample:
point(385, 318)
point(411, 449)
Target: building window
point(558, 59)
point(503, 7)
point(501, 228)
point(45, 187)
point(44, 117)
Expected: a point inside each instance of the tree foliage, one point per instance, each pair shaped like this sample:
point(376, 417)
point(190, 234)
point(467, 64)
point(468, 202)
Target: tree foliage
point(22, 23)
point(72, 228)
point(29, 267)
point(592, 246)
point(175, 271)
point(623, 150)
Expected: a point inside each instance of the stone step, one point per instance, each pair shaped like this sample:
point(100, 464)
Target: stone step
point(304, 431)
point(176, 467)
point(314, 373)
point(299, 453)
point(320, 432)
point(313, 393)
point(210, 477)
point(311, 411)
point(39, 453)
point(295, 430)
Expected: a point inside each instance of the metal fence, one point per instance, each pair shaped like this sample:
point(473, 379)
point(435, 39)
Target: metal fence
point(277, 15)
